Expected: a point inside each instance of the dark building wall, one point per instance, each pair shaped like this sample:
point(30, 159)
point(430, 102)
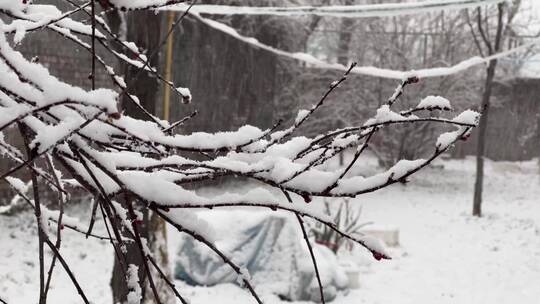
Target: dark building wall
point(65, 59)
point(232, 83)
point(514, 122)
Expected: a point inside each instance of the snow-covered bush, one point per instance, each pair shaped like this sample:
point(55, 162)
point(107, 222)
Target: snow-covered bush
point(128, 164)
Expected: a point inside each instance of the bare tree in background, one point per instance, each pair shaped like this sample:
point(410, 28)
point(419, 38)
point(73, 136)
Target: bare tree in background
point(489, 41)
point(426, 41)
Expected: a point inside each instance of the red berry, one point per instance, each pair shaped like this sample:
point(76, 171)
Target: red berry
point(379, 256)
point(104, 3)
point(413, 79)
point(115, 115)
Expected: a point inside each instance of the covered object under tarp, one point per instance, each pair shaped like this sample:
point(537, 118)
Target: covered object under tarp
point(270, 246)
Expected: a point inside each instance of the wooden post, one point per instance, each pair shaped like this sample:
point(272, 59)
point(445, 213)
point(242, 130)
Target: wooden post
point(168, 66)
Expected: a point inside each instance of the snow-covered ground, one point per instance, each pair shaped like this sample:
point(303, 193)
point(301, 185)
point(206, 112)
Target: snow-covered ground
point(446, 255)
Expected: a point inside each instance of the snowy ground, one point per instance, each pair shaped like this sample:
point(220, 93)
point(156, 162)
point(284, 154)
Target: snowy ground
point(446, 255)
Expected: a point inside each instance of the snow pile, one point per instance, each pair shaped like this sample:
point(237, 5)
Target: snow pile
point(437, 235)
point(186, 94)
point(468, 117)
point(384, 115)
point(434, 102)
point(446, 139)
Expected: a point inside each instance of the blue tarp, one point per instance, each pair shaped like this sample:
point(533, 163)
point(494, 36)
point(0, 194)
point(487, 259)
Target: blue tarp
point(270, 246)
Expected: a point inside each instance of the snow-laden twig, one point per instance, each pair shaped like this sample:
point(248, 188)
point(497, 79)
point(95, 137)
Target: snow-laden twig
point(61, 202)
point(167, 280)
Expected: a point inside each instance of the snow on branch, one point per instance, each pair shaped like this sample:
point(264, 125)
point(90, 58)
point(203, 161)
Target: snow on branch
point(364, 70)
point(351, 11)
point(124, 162)
point(139, 4)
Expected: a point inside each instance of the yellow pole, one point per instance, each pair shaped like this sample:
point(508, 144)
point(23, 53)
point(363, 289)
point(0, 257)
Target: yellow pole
point(168, 66)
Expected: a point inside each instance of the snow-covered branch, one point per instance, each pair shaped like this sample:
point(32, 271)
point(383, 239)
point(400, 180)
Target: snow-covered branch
point(127, 163)
point(351, 11)
point(373, 71)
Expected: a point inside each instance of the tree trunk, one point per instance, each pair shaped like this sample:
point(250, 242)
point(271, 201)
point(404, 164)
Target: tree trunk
point(146, 35)
point(345, 36)
point(538, 140)
point(481, 146)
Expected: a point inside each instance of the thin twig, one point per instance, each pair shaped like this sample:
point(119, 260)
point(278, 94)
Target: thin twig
point(31, 153)
point(166, 279)
point(310, 248)
point(306, 238)
point(59, 226)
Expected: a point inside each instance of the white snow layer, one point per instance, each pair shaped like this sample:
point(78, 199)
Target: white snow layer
point(138, 4)
point(432, 102)
point(134, 296)
point(365, 70)
point(353, 11)
point(456, 257)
